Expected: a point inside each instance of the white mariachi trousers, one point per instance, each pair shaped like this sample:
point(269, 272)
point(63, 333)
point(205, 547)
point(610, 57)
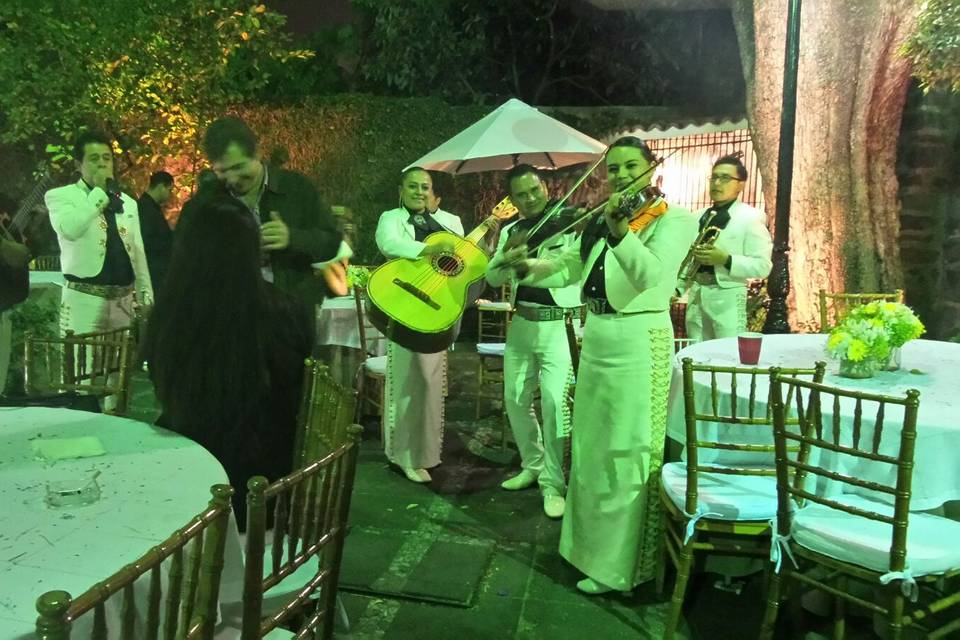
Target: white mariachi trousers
point(713, 312)
point(84, 313)
point(537, 355)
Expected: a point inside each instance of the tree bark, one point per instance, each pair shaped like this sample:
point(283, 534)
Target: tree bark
point(852, 87)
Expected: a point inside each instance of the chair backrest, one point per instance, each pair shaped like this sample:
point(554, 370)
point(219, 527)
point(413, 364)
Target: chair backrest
point(90, 363)
point(310, 515)
point(326, 411)
point(45, 263)
point(189, 609)
point(747, 413)
point(492, 322)
point(678, 317)
point(860, 441)
point(834, 305)
point(369, 336)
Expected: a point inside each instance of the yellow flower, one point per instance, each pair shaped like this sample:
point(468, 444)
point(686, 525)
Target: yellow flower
point(857, 350)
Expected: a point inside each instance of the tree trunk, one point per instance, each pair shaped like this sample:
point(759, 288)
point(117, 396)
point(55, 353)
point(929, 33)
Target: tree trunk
point(852, 86)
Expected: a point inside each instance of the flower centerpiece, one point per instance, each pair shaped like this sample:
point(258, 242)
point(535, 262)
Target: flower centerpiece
point(357, 276)
point(869, 337)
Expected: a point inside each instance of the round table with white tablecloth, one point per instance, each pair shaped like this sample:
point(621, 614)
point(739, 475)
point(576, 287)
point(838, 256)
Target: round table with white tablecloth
point(152, 481)
point(338, 338)
point(929, 366)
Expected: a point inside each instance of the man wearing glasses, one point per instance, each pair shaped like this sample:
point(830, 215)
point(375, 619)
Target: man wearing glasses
point(717, 299)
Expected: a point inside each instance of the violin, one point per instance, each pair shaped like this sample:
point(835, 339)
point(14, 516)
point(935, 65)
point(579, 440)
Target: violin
point(642, 207)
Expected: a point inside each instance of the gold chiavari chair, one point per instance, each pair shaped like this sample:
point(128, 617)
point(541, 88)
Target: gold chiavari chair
point(45, 263)
point(859, 532)
point(189, 609)
point(298, 574)
point(722, 506)
point(493, 320)
point(88, 363)
point(371, 379)
point(834, 305)
point(327, 409)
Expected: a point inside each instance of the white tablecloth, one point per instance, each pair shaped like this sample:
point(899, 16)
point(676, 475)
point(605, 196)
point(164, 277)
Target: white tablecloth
point(152, 482)
point(929, 366)
point(46, 277)
point(337, 325)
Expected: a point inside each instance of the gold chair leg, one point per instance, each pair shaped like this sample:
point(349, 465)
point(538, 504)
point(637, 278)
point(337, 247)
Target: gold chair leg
point(840, 611)
point(895, 613)
point(773, 607)
point(684, 565)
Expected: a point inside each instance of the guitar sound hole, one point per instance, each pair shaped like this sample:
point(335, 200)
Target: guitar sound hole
point(447, 264)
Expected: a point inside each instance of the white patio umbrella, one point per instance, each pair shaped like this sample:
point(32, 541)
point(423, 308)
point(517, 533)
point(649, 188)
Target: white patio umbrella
point(515, 133)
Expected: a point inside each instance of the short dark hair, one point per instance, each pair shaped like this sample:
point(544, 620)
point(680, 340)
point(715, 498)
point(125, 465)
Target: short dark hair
point(90, 136)
point(406, 172)
point(161, 178)
point(226, 131)
point(521, 170)
point(734, 161)
point(636, 143)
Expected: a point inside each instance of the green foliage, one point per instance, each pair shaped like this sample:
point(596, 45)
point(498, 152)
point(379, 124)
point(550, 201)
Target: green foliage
point(152, 72)
point(548, 52)
point(38, 316)
point(935, 46)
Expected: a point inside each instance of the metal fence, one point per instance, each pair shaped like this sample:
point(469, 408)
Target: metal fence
point(684, 176)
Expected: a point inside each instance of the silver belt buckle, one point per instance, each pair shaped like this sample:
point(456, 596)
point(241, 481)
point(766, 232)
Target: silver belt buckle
point(596, 306)
point(706, 278)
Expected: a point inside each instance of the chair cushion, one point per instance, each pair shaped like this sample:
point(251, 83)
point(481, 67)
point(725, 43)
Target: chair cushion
point(377, 365)
point(491, 348)
point(494, 306)
point(729, 497)
point(931, 540)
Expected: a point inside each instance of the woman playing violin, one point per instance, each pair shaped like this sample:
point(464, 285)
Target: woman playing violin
point(627, 276)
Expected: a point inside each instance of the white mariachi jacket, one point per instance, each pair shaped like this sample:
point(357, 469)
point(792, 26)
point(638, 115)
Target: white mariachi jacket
point(747, 241)
point(640, 272)
point(76, 215)
point(568, 296)
point(395, 232)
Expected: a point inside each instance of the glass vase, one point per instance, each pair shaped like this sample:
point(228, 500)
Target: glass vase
point(853, 369)
point(893, 360)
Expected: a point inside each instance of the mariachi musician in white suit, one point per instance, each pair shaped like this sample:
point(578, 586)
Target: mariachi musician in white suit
point(413, 406)
point(717, 298)
point(611, 525)
point(101, 249)
point(537, 353)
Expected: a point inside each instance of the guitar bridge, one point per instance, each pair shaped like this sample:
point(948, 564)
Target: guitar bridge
point(417, 293)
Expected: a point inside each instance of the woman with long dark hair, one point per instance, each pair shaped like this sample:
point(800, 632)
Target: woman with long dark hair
point(627, 275)
point(225, 348)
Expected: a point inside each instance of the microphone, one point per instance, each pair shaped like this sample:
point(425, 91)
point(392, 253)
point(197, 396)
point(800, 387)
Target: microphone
point(115, 205)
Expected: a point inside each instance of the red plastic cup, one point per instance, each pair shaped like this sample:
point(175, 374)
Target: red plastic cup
point(749, 345)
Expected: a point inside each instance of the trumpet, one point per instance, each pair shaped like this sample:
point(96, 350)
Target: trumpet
point(689, 267)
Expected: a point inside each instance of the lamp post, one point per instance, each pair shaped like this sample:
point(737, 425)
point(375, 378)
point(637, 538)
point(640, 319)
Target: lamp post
point(778, 285)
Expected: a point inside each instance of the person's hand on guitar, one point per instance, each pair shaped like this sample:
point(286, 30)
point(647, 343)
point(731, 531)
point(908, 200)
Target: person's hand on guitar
point(444, 245)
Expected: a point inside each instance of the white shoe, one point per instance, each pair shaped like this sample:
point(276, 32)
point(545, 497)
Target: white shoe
point(522, 480)
point(591, 587)
point(553, 506)
point(420, 476)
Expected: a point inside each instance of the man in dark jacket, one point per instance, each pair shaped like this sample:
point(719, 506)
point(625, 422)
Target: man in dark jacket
point(296, 225)
point(157, 236)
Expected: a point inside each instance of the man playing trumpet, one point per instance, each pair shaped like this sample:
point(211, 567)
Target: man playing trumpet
point(718, 268)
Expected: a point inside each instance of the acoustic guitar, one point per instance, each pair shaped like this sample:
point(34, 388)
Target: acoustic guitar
point(417, 303)
point(15, 279)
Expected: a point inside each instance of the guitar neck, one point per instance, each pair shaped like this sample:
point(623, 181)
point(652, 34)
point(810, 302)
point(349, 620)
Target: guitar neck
point(22, 218)
point(477, 234)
